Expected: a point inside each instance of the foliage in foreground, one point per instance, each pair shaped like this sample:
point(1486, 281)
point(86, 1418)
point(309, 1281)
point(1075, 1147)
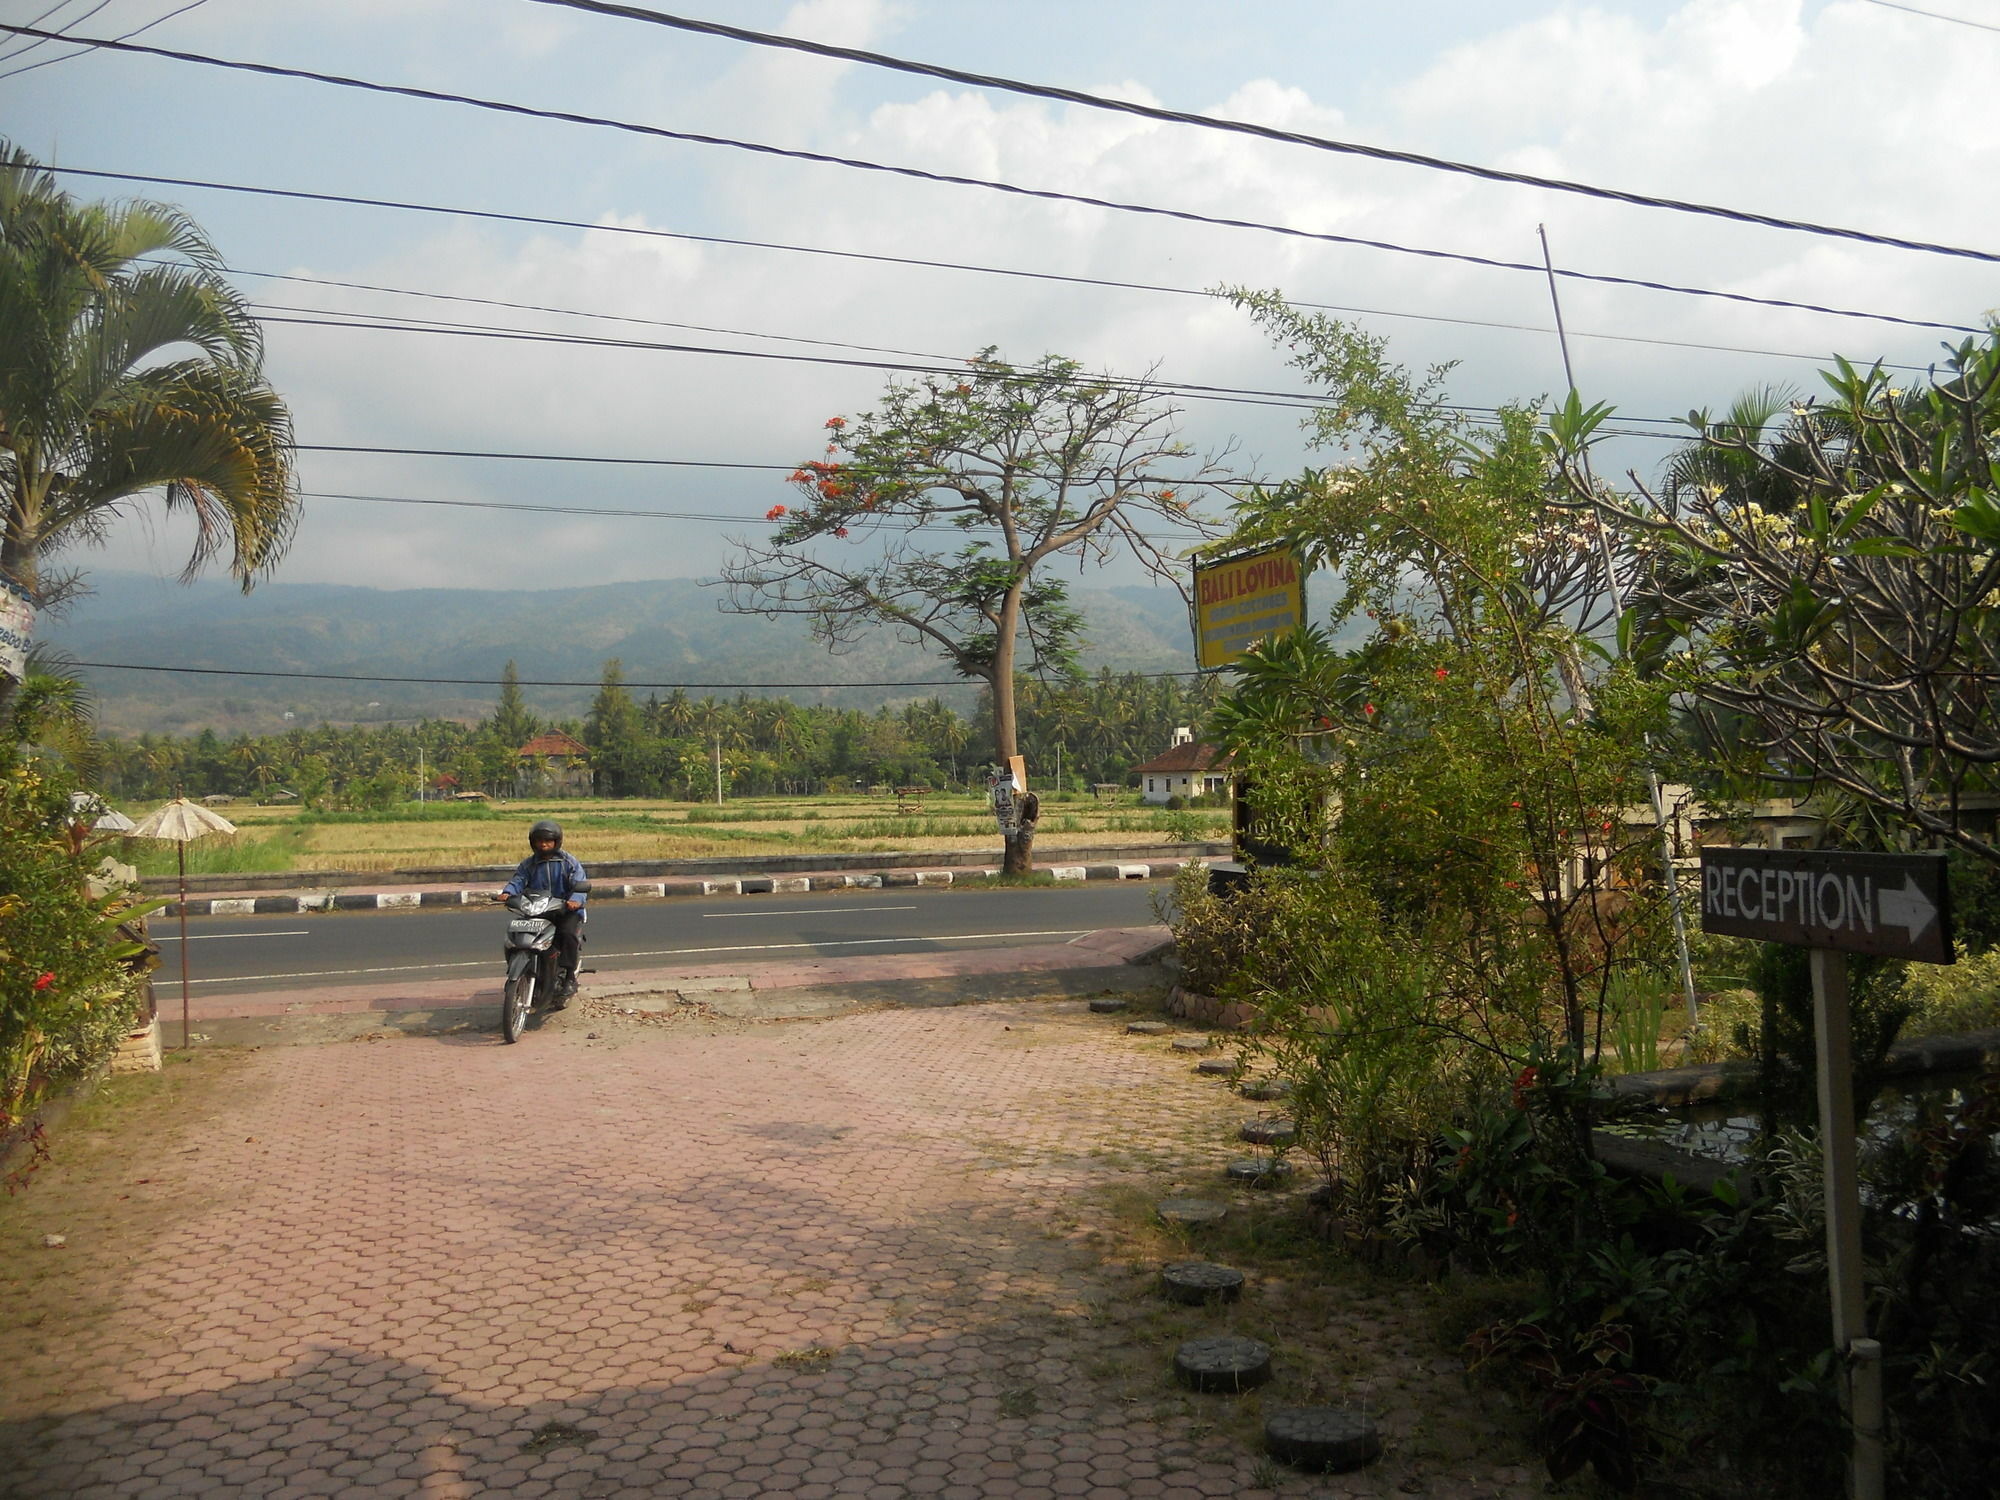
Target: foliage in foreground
point(66, 996)
point(1444, 942)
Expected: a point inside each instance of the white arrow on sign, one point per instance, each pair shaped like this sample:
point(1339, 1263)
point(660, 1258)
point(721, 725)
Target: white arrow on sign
point(1908, 908)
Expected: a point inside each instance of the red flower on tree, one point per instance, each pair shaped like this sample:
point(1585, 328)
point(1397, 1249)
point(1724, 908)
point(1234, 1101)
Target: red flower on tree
point(834, 424)
point(840, 531)
point(774, 512)
point(1368, 709)
point(43, 981)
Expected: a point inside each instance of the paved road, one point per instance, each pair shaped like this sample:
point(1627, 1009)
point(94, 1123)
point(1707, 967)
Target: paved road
point(229, 955)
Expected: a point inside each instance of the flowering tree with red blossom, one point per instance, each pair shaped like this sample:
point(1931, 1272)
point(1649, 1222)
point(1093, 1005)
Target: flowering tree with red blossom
point(936, 514)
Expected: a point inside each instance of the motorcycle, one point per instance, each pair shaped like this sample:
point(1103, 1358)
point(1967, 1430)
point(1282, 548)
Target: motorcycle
point(533, 960)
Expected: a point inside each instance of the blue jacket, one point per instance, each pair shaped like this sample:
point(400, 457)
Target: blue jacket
point(557, 876)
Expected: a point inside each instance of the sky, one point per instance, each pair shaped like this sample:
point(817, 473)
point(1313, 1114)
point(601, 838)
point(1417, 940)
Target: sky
point(1855, 113)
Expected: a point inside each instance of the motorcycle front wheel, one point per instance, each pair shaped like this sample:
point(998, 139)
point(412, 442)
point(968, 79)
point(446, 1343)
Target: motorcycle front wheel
point(515, 1003)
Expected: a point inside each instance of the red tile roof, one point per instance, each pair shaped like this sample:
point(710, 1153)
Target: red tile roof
point(1186, 757)
point(554, 742)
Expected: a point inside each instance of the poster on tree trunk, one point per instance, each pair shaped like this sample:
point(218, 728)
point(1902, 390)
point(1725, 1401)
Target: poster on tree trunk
point(17, 628)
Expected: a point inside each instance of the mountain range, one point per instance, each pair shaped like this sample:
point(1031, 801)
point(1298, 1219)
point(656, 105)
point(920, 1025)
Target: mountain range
point(666, 631)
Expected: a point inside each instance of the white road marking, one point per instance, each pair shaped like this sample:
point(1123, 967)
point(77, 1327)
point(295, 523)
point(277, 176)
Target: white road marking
point(207, 937)
point(804, 911)
point(961, 937)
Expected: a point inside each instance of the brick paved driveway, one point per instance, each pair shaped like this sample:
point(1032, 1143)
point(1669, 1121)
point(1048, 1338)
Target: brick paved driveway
point(845, 1258)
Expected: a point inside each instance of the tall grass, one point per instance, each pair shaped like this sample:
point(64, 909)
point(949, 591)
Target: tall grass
point(228, 854)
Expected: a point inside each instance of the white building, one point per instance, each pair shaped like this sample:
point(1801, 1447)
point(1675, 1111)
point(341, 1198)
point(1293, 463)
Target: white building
point(1184, 770)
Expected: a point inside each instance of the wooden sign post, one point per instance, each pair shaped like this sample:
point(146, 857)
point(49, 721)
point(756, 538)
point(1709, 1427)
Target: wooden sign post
point(1834, 903)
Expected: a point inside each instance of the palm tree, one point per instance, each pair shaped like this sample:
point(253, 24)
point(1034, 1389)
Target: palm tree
point(96, 410)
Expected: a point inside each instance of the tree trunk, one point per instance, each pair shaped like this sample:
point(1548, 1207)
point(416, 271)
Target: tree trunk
point(1020, 856)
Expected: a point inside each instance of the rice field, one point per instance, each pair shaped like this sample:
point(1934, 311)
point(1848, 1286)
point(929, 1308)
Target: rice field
point(271, 839)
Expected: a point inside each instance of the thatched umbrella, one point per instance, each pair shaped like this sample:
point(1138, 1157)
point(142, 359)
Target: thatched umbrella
point(182, 822)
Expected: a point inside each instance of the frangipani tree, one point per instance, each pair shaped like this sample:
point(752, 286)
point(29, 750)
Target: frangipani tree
point(1821, 579)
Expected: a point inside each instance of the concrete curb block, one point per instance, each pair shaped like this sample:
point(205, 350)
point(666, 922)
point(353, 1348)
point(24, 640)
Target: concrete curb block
point(749, 885)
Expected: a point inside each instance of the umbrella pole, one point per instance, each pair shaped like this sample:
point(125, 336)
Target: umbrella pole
point(181, 857)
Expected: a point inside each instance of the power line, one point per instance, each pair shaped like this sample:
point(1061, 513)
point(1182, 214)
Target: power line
point(1089, 281)
point(940, 365)
point(871, 525)
point(122, 36)
point(127, 666)
point(1263, 132)
point(1932, 15)
point(542, 221)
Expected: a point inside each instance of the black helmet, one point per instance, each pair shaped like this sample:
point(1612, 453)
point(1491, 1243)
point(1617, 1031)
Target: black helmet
point(545, 829)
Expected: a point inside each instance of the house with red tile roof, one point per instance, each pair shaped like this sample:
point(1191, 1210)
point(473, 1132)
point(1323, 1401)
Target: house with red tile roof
point(1185, 769)
point(552, 764)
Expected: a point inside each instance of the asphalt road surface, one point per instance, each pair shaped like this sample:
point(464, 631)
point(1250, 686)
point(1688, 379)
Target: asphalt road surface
point(237, 954)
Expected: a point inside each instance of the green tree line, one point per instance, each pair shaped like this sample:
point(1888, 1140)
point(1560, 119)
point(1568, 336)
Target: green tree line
point(1087, 730)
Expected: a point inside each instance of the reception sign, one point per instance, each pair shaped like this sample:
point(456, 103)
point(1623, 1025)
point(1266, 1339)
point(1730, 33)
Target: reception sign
point(1241, 600)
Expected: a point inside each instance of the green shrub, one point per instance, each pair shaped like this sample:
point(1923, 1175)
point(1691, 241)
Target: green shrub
point(1964, 996)
point(65, 996)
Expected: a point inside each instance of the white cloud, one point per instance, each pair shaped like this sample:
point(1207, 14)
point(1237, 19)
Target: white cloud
point(1814, 111)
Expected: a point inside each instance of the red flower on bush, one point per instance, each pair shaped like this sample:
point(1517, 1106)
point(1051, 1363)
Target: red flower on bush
point(1368, 709)
point(834, 424)
point(1441, 674)
point(43, 981)
point(1523, 1084)
point(774, 512)
point(840, 531)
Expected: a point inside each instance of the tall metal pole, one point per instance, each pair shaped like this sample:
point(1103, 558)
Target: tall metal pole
point(1617, 596)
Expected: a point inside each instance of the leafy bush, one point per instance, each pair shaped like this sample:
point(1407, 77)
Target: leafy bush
point(1964, 996)
point(65, 996)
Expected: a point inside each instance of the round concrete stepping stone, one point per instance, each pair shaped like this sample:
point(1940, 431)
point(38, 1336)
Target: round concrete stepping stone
point(1217, 1067)
point(1147, 1028)
point(1279, 1132)
point(1222, 1364)
point(1198, 1281)
point(1193, 1043)
point(1264, 1089)
point(1322, 1439)
point(1258, 1171)
point(1191, 1210)
point(1106, 1005)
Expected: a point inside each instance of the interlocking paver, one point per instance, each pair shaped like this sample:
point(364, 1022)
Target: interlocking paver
point(808, 1259)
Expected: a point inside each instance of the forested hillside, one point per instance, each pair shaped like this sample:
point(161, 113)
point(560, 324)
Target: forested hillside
point(669, 631)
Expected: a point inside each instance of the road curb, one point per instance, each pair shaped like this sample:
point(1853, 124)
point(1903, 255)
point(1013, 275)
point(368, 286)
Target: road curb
point(298, 902)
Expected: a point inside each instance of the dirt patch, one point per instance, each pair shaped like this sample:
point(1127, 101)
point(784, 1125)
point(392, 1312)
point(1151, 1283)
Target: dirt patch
point(124, 1166)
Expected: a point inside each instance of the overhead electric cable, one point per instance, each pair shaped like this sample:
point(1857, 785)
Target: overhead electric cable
point(1932, 15)
point(793, 338)
point(1261, 132)
point(872, 525)
point(936, 365)
point(135, 31)
point(542, 221)
point(705, 687)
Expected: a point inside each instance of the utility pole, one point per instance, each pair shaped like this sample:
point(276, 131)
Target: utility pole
point(1617, 596)
point(718, 770)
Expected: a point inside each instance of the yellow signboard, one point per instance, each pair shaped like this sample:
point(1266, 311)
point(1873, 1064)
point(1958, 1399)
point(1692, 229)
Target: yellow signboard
point(1245, 599)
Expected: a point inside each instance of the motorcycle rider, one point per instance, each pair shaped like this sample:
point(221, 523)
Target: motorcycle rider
point(549, 871)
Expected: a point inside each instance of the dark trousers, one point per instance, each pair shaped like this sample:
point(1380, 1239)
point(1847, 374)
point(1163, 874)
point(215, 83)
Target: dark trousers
point(569, 939)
